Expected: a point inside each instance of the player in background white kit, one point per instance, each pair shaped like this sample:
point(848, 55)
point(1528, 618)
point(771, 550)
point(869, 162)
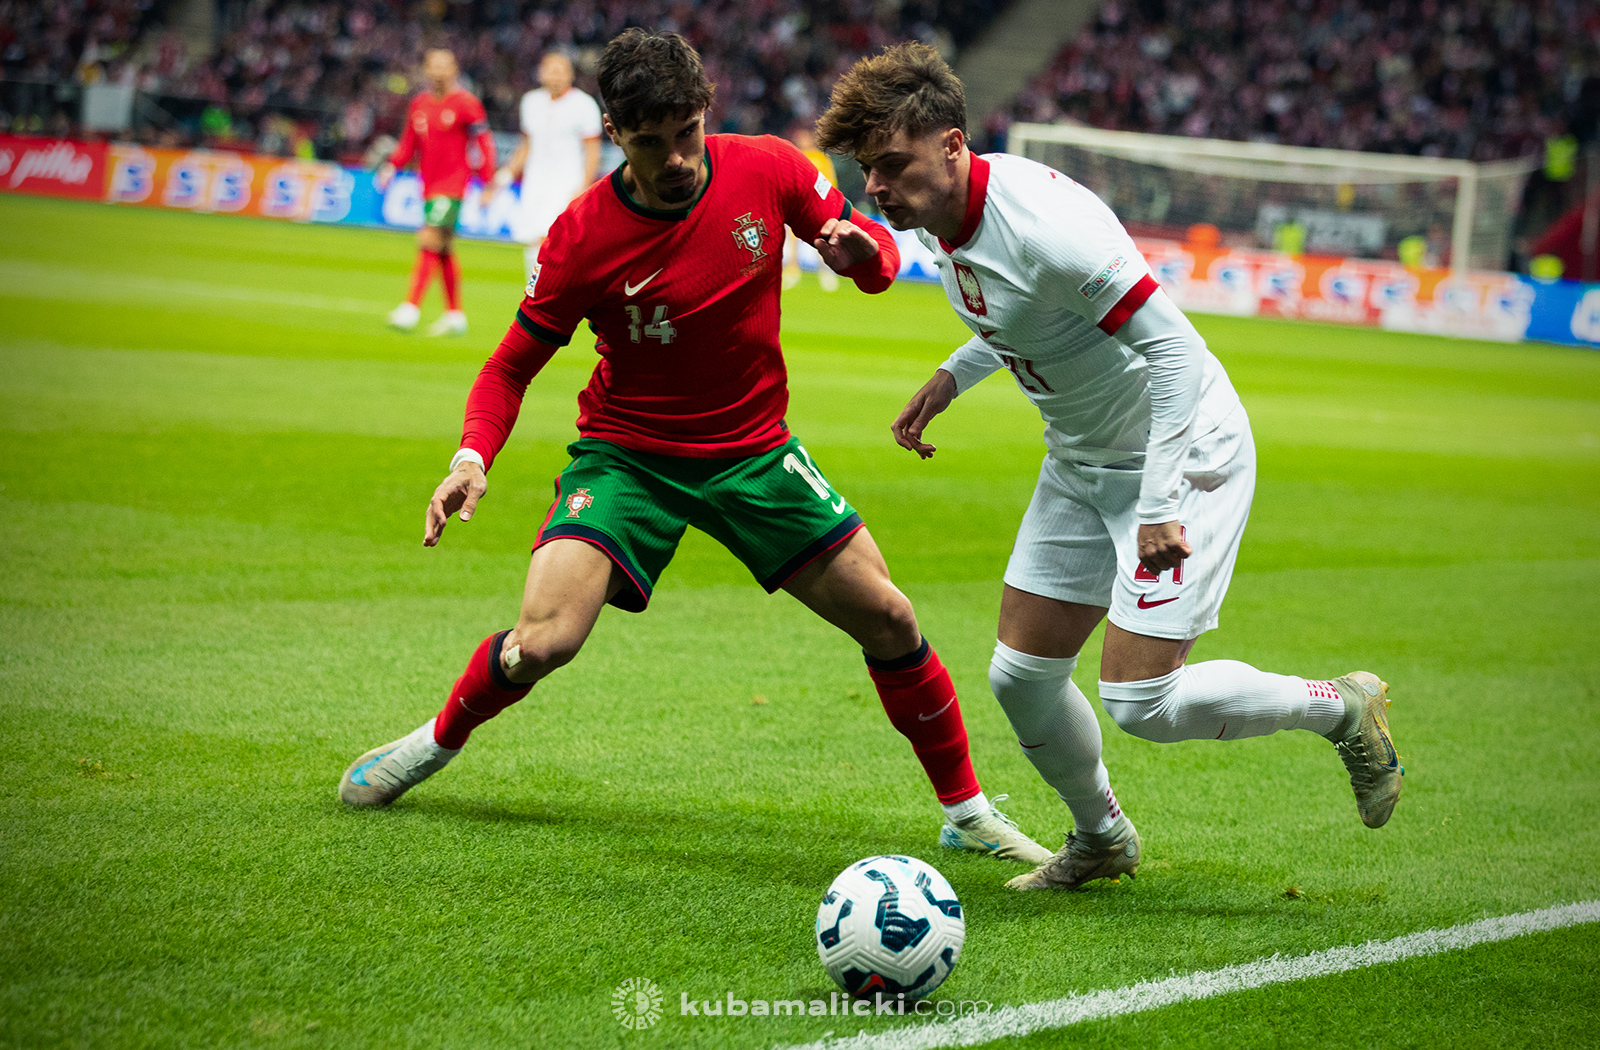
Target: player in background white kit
point(559, 154)
point(1144, 491)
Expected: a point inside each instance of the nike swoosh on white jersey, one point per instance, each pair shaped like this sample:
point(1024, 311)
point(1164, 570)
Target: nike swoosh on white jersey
point(630, 289)
point(936, 714)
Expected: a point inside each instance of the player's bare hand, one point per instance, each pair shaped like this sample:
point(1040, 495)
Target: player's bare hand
point(383, 176)
point(1162, 546)
point(842, 244)
point(934, 397)
point(460, 491)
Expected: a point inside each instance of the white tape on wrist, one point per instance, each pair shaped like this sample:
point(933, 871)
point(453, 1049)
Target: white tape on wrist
point(465, 455)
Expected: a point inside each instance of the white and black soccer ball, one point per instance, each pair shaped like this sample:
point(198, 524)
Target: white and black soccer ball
point(890, 925)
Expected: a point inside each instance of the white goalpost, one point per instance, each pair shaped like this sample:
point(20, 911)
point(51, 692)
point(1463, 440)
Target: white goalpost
point(1263, 195)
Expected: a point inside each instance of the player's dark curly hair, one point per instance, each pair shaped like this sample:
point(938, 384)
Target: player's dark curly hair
point(645, 77)
point(907, 87)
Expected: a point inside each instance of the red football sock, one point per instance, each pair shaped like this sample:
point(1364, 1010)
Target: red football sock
point(450, 273)
point(421, 274)
point(921, 702)
point(481, 692)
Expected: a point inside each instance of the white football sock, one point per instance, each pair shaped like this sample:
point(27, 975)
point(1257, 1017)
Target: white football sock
point(967, 808)
point(1056, 728)
point(1221, 700)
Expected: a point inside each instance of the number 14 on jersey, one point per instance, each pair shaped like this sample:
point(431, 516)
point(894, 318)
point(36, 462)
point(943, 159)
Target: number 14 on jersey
point(658, 328)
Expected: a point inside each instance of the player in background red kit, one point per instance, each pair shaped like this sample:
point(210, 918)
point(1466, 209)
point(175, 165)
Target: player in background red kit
point(442, 125)
point(676, 262)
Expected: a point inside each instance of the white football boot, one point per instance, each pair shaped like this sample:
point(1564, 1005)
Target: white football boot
point(994, 833)
point(405, 317)
point(1085, 858)
point(453, 322)
point(385, 773)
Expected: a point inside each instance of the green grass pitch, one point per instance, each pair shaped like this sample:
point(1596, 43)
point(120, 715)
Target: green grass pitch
point(213, 595)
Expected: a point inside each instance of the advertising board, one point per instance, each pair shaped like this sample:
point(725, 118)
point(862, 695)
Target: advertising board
point(52, 167)
point(228, 183)
point(1252, 283)
point(1201, 278)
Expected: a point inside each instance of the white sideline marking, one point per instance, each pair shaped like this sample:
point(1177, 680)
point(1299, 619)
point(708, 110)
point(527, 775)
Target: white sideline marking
point(1153, 995)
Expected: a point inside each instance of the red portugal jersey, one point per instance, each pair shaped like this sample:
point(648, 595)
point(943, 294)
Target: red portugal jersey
point(439, 132)
point(684, 303)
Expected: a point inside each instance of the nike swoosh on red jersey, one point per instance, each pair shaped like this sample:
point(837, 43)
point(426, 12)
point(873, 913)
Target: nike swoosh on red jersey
point(630, 289)
point(1144, 604)
point(936, 714)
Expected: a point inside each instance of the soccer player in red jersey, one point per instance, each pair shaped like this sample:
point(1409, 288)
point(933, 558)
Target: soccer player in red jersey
point(441, 125)
point(676, 262)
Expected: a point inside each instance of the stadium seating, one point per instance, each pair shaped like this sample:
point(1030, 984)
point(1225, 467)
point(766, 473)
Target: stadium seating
point(1448, 78)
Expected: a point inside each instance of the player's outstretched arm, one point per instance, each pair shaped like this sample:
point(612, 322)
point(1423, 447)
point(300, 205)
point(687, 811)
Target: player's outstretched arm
point(460, 491)
point(492, 407)
point(934, 397)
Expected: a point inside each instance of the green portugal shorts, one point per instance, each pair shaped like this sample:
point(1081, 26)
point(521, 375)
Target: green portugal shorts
point(775, 511)
point(441, 211)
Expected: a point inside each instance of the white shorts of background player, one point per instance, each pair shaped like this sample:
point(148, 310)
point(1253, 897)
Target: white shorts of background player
point(541, 204)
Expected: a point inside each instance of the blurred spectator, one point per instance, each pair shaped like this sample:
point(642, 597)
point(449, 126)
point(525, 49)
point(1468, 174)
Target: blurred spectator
point(1469, 79)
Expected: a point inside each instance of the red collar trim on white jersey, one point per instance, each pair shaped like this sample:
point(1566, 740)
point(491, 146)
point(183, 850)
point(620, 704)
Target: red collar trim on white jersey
point(977, 193)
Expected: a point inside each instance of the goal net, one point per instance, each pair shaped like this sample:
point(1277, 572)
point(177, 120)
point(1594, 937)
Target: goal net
point(1419, 210)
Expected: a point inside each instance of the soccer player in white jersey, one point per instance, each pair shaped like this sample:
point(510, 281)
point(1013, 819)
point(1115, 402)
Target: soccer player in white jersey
point(1148, 477)
point(559, 154)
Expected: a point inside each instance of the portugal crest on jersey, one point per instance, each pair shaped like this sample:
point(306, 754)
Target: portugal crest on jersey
point(751, 234)
point(578, 501)
point(971, 291)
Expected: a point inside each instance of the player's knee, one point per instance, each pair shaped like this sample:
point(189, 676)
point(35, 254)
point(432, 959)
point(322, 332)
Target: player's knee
point(894, 623)
point(1146, 709)
point(1028, 687)
point(533, 651)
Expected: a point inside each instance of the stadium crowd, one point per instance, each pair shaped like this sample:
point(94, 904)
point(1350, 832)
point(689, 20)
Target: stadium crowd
point(1472, 79)
point(344, 70)
point(71, 40)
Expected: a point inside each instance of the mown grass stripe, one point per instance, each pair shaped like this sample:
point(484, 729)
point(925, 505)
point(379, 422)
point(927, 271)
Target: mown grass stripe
point(1153, 995)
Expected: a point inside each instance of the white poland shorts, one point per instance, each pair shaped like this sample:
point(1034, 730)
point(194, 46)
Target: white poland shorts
point(1078, 541)
point(540, 205)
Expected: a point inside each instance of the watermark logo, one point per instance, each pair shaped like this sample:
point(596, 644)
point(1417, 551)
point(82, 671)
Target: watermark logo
point(636, 1003)
point(836, 1005)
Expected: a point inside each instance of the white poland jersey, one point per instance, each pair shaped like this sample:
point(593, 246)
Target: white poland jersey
point(556, 128)
point(1045, 276)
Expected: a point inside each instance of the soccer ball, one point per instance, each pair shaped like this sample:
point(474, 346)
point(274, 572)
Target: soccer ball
point(890, 925)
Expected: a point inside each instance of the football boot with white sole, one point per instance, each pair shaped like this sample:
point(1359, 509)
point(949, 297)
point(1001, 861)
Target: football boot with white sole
point(994, 833)
point(405, 317)
point(451, 322)
point(385, 773)
point(1367, 748)
point(1109, 856)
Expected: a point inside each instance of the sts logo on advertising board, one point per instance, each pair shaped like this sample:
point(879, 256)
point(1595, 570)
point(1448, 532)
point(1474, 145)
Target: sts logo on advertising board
point(220, 181)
